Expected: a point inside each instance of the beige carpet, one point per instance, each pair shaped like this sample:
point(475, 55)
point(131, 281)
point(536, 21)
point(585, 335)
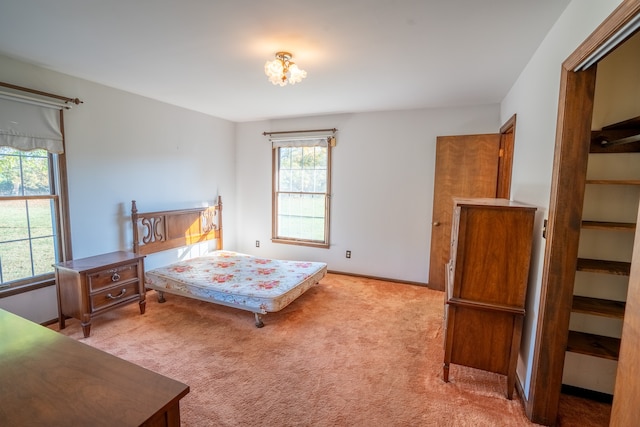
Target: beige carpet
point(349, 352)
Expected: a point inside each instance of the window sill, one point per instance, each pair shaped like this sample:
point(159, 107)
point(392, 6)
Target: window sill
point(301, 243)
point(21, 289)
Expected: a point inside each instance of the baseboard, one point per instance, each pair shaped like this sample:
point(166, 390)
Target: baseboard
point(49, 322)
point(386, 279)
point(520, 391)
point(526, 403)
point(587, 394)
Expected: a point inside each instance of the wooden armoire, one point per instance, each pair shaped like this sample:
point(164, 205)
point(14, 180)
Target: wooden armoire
point(486, 285)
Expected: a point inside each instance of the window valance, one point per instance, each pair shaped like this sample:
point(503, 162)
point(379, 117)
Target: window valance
point(303, 138)
point(28, 126)
point(31, 119)
point(300, 142)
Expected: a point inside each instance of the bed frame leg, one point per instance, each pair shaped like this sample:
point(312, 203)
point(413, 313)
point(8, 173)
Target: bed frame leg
point(161, 297)
point(259, 323)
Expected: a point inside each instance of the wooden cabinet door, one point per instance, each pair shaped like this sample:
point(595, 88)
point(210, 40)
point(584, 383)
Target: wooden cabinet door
point(466, 166)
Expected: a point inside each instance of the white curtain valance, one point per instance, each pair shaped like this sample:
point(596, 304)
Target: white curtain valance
point(314, 141)
point(28, 126)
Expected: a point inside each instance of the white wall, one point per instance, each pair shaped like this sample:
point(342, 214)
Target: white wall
point(617, 95)
point(382, 187)
point(534, 97)
point(122, 147)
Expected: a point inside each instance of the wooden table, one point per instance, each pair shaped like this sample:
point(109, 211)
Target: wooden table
point(48, 379)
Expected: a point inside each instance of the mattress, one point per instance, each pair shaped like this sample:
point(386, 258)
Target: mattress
point(238, 280)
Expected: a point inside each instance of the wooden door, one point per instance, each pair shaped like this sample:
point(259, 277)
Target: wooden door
point(466, 166)
point(625, 411)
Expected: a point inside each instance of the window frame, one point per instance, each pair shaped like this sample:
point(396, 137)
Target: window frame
point(274, 202)
point(59, 195)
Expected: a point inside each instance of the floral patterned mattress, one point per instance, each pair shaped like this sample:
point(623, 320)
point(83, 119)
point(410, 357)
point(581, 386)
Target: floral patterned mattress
point(259, 285)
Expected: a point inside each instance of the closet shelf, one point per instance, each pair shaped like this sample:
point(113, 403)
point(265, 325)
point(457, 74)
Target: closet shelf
point(598, 307)
point(593, 345)
point(619, 268)
point(614, 181)
point(617, 138)
point(632, 124)
point(606, 225)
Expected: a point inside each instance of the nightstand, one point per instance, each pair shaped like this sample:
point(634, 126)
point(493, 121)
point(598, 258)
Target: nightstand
point(87, 287)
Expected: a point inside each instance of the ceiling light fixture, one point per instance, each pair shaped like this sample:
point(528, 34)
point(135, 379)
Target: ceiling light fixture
point(282, 70)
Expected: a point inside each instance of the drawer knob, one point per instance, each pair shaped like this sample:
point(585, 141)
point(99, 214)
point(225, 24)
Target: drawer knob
point(120, 295)
point(115, 277)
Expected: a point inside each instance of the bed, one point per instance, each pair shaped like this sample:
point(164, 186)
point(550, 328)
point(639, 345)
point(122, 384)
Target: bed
point(256, 284)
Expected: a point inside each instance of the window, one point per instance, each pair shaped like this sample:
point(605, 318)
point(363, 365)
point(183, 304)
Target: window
point(29, 206)
point(301, 190)
point(33, 191)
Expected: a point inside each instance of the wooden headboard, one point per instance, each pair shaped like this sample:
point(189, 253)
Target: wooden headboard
point(159, 231)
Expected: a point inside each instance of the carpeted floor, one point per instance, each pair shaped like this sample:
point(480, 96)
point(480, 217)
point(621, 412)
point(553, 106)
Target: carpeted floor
point(349, 352)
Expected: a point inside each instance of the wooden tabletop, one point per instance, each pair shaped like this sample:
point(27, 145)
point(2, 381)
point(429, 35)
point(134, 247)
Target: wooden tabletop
point(49, 379)
point(97, 262)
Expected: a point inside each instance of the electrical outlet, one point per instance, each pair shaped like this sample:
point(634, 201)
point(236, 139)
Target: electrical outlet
point(348, 254)
point(257, 243)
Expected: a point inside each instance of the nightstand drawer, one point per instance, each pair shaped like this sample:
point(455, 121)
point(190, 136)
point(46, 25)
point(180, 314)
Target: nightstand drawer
point(114, 295)
point(108, 278)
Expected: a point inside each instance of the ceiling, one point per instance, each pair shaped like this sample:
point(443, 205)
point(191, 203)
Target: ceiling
point(360, 55)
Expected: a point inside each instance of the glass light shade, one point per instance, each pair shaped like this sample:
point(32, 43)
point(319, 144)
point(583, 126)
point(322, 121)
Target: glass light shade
point(274, 70)
point(281, 71)
point(296, 74)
